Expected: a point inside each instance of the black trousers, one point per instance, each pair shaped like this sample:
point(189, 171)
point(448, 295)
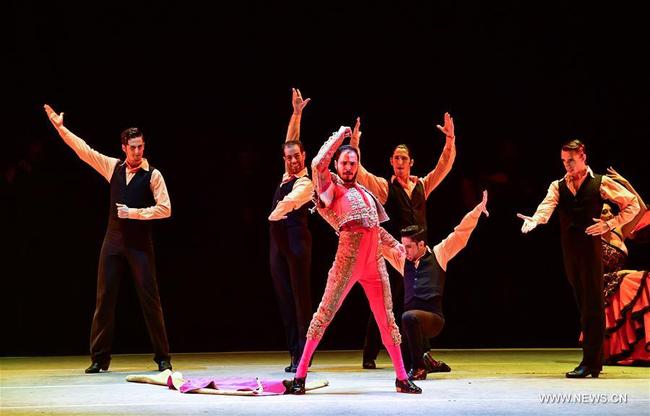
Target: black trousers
point(419, 326)
point(290, 259)
point(115, 259)
point(583, 264)
point(372, 342)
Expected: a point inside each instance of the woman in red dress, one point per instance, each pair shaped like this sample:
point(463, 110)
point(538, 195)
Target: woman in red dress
point(627, 293)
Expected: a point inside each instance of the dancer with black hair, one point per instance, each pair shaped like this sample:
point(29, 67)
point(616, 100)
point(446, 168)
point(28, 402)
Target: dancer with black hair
point(290, 238)
point(355, 214)
point(579, 196)
point(404, 197)
point(138, 194)
point(627, 292)
point(424, 270)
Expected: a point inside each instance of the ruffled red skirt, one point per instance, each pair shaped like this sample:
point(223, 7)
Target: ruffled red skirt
point(627, 321)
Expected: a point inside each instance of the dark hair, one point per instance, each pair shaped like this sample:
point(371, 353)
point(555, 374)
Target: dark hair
point(402, 146)
point(415, 233)
point(574, 145)
point(345, 148)
point(292, 143)
point(130, 133)
point(614, 207)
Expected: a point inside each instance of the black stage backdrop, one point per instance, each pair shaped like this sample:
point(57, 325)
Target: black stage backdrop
point(210, 87)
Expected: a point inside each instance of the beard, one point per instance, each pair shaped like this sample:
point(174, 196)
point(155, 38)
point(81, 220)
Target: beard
point(348, 181)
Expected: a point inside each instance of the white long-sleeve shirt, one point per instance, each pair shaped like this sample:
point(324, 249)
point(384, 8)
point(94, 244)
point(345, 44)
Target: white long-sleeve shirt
point(444, 250)
point(105, 166)
point(609, 189)
point(300, 194)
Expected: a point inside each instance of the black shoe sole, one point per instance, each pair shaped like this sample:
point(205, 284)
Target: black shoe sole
point(166, 367)
point(445, 369)
point(102, 367)
point(593, 375)
point(408, 391)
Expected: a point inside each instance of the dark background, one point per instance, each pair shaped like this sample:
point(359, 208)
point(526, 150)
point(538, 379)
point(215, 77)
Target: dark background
point(210, 87)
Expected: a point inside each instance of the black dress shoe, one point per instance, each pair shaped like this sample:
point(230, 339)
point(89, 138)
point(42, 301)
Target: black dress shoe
point(96, 367)
point(287, 386)
point(297, 386)
point(583, 371)
point(419, 374)
point(434, 366)
point(407, 386)
point(369, 365)
point(293, 365)
point(164, 365)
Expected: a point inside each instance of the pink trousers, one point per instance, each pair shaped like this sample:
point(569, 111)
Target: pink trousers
point(358, 259)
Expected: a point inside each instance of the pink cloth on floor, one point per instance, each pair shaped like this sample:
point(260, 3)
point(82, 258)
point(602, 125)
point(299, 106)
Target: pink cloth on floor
point(269, 387)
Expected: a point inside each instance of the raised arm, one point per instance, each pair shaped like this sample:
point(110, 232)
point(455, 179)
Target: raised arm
point(626, 201)
point(457, 240)
point(293, 131)
point(626, 230)
point(101, 163)
point(446, 160)
point(544, 210)
point(321, 175)
point(375, 184)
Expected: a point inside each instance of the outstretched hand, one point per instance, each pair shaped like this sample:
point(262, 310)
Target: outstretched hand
point(448, 127)
point(345, 131)
point(356, 132)
point(297, 101)
point(483, 204)
point(616, 176)
point(599, 228)
point(272, 218)
point(56, 119)
point(529, 223)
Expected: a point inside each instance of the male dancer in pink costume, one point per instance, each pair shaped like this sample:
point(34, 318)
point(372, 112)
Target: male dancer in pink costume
point(355, 213)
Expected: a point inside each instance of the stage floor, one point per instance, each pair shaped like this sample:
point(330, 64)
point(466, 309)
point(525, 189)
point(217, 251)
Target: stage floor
point(482, 382)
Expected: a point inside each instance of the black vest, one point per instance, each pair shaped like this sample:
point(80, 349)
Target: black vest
point(577, 212)
point(137, 194)
point(404, 211)
point(424, 285)
point(295, 218)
